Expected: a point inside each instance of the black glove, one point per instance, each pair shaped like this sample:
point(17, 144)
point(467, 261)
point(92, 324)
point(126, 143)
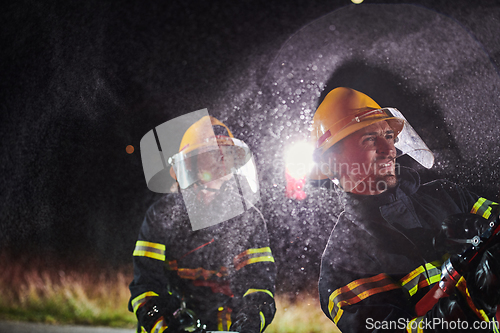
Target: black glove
point(451, 309)
point(155, 309)
point(248, 318)
point(457, 230)
point(484, 282)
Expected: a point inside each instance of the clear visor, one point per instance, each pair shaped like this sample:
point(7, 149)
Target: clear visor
point(213, 162)
point(217, 182)
point(408, 142)
point(355, 171)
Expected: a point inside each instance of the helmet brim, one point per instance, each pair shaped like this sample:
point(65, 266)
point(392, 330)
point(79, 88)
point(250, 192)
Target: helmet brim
point(181, 161)
point(395, 123)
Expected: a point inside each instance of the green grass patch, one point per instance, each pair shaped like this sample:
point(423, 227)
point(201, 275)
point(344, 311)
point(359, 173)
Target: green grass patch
point(37, 291)
point(300, 314)
point(40, 290)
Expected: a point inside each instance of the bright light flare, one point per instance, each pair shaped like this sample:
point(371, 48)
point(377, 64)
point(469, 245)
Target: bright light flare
point(357, 2)
point(299, 159)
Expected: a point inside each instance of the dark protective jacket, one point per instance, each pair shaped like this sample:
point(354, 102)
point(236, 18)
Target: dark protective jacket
point(380, 259)
point(215, 269)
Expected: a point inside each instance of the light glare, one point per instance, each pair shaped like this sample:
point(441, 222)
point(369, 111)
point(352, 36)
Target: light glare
point(299, 159)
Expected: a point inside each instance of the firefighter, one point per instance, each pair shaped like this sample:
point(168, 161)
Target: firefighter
point(215, 276)
point(393, 234)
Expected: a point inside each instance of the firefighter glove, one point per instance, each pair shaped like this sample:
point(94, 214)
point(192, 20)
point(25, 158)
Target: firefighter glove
point(484, 282)
point(255, 314)
point(247, 320)
point(451, 309)
point(157, 309)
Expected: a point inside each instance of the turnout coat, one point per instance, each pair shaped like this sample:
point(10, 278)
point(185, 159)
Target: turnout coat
point(381, 257)
point(214, 269)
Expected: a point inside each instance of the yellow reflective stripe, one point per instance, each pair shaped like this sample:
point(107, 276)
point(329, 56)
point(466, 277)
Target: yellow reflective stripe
point(149, 249)
point(419, 270)
point(223, 318)
point(358, 290)
point(483, 207)
point(251, 291)
point(434, 279)
point(462, 287)
point(219, 319)
point(477, 205)
point(487, 213)
point(254, 260)
point(253, 251)
point(151, 244)
point(338, 315)
point(141, 299)
point(149, 254)
point(414, 325)
point(252, 256)
point(159, 327)
point(260, 250)
point(262, 321)
point(413, 281)
point(424, 283)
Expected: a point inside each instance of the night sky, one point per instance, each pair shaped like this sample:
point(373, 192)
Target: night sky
point(82, 80)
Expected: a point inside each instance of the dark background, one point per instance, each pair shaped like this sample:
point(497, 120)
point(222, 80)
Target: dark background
point(81, 80)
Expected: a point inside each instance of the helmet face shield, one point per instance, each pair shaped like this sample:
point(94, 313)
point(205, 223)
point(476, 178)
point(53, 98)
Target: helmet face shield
point(362, 163)
point(209, 163)
point(215, 173)
point(231, 168)
point(409, 142)
point(185, 166)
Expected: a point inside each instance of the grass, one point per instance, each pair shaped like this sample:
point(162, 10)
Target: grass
point(41, 291)
point(33, 290)
point(300, 314)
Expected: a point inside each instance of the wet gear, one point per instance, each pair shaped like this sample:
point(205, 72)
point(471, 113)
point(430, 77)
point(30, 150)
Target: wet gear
point(255, 307)
point(211, 268)
point(484, 281)
point(380, 259)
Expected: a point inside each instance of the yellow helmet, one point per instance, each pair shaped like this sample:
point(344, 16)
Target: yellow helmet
point(200, 137)
point(201, 134)
point(343, 112)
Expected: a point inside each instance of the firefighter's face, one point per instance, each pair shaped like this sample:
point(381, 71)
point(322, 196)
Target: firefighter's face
point(213, 169)
point(366, 160)
point(213, 164)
